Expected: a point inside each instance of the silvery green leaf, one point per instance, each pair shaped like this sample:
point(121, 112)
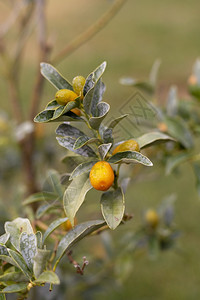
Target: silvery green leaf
point(84, 140)
point(108, 131)
point(75, 195)
point(97, 97)
point(28, 248)
point(172, 102)
point(52, 105)
point(179, 130)
point(54, 77)
point(93, 77)
point(4, 238)
point(68, 143)
point(75, 235)
point(14, 288)
point(40, 261)
point(112, 207)
point(153, 137)
point(68, 130)
point(49, 277)
point(154, 72)
point(130, 157)
point(102, 110)
point(3, 250)
point(82, 168)
point(52, 227)
point(44, 116)
point(61, 110)
point(15, 228)
point(20, 263)
point(103, 150)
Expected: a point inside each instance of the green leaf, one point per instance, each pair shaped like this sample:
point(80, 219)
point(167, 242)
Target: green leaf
point(68, 143)
point(14, 288)
point(112, 207)
point(2, 296)
point(54, 77)
point(52, 105)
point(174, 161)
point(44, 208)
point(82, 168)
point(178, 129)
point(102, 109)
point(28, 248)
point(103, 150)
point(49, 277)
point(172, 102)
point(150, 138)
point(40, 261)
point(39, 239)
point(20, 263)
point(75, 235)
point(8, 259)
point(68, 130)
point(75, 195)
point(72, 162)
point(42, 196)
point(13, 276)
point(52, 227)
point(44, 116)
point(15, 228)
point(130, 157)
point(93, 77)
point(53, 178)
point(4, 238)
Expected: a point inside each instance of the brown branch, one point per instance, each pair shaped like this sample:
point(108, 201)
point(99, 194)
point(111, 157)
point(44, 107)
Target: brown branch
point(44, 51)
point(79, 269)
point(90, 32)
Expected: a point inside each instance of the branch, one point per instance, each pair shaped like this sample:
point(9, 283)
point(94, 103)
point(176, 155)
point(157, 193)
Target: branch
point(11, 19)
point(44, 50)
point(90, 32)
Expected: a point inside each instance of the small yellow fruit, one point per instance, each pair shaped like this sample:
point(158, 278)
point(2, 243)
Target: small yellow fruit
point(101, 176)
point(76, 111)
point(130, 145)
point(192, 80)
point(78, 84)
point(64, 96)
point(151, 218)
point(67, 225)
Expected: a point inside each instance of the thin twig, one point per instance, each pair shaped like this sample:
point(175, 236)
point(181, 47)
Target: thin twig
point(11, 19)
point(44, 51)
point(89, 33)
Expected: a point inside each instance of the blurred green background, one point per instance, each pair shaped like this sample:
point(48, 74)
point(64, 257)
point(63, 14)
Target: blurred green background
point(140, 33)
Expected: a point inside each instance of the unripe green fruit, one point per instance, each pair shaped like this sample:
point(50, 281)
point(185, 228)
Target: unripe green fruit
point(64, 96)
point(78, 84)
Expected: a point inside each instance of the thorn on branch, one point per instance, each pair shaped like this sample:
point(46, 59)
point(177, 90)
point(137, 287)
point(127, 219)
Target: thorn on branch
point(79, 269)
